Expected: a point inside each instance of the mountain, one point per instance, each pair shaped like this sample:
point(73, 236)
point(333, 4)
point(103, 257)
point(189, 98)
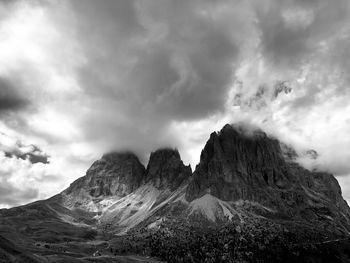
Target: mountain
point(247, 199)
point(236, 165)
point(116, 174)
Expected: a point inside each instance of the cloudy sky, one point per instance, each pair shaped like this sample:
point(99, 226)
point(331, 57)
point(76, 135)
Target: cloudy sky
point(82, 77)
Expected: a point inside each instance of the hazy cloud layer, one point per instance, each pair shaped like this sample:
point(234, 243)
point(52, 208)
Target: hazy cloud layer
point(82, 77)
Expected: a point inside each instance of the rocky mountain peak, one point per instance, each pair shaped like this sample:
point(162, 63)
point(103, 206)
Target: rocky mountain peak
point(166, 170)
point(237, 163)
point(230, 160)
point(164, 154)
point(119, 157)
point(243, 130)
point(116, 173)
point(249, 165)
point(241, 150)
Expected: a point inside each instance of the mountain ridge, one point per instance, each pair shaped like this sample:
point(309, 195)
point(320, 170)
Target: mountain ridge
point(236, 164)
point(243, 178)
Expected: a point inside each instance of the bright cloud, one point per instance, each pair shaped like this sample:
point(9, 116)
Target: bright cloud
point(78, 78)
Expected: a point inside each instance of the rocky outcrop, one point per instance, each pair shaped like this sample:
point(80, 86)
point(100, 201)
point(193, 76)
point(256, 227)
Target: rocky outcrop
point(119, 174)
point(116, 174)
point(239, 165)
point(236, 165)
point(233, 165)
point(166, 169)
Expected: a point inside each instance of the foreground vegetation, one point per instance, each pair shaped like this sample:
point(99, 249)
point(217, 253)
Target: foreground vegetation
point(263, 241)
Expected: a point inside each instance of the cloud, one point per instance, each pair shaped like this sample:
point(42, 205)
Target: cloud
point(23, 181)
point(11, 192)
point(10, 99)
point(150, 66)
point(82, 77)
point(11, 196)
point(301, 43)
point(292, 31)
point(35, 155)
point(173, 66)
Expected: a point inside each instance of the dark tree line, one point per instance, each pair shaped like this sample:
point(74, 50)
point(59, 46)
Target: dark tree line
point(263, 242)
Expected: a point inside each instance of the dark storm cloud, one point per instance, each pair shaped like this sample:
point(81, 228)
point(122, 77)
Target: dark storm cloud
point(292, 30)
point(156, 63)
point(108, 17)
point(36, 157)
point(151, 63)
point(15, 148)
point(164, 57)
point(87, 76)
point(10, 97)
point(283, 45)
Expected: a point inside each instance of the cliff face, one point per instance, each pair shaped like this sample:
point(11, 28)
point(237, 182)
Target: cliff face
point(115, 174)
point(166, 169)
point(237, 165)
point(119, 174)
point(234, 165)
point(118, 191)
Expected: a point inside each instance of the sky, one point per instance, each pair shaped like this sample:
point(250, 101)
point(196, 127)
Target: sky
point(80, 78)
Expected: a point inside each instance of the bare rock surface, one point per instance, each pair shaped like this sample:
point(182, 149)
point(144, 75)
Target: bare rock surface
point(166, 170)
point(114, 174)
point(240, 165)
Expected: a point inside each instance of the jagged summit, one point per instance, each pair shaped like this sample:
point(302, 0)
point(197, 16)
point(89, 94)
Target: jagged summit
point(120, 173)
point(119, 156)
point(165, 169)
point(244, 129)
point(117, 173)
point(230, 161)
point(237, 165)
